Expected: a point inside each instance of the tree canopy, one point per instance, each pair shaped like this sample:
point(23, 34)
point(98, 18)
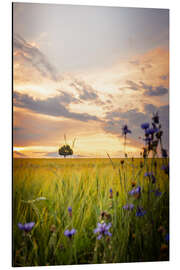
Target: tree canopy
point(65, 150)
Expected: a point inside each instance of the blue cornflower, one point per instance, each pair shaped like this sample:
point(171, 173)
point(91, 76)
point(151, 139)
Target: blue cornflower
point(70, 211)
point(102, 229)
point(148, 174)
point(69, 233)
point(157, 192)
point(129, 206)
point(135, 191)
point(152, 130)
point(153, 178)
point(145, 125)
point(27, 227)
point(167, 237)
point(165, 169)
point(125, 130)
point(140, 212)
point(111, 193)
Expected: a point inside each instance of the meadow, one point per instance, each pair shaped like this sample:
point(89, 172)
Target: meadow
point(88, 211)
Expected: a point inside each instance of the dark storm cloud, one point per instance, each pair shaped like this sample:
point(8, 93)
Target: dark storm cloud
point(34, 56)
point(153, 91)
point(52, 106)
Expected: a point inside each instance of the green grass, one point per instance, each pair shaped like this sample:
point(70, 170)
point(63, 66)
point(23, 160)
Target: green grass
point(84, 185)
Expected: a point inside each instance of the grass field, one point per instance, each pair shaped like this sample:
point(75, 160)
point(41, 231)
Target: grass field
point(96, 190)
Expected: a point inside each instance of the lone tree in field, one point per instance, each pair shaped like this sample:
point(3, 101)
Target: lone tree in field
point(65, 150)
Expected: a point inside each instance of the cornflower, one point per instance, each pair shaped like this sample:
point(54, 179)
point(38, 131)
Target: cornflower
point(69, 233)
point(140, 212)
point(145, 126)
point(103, 230)
point(27, 227)
point(129, 206)
point(70, 211)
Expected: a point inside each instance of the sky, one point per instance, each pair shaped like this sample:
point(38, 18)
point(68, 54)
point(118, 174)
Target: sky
point(84, 72)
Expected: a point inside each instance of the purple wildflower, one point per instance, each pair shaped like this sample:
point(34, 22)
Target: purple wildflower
point(69, 233)
point(111, 193)
point(167, 237)
point(165, 169)
point(102, 229)
point(70, 211)
point(129, 206)
point(152, 130)
point(125, 130)
point(135, 191)
point(148, 174)
point(153, 178)
point(27, 227)
point(140, 212)
point(157, 192)
point(145, 126)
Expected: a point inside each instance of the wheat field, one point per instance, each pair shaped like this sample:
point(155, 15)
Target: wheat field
point(65, 194)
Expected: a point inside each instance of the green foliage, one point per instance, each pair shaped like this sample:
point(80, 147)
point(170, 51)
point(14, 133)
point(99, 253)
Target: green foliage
point(65, 150)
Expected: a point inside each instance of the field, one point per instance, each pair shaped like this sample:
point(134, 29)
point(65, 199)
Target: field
point(66, 194)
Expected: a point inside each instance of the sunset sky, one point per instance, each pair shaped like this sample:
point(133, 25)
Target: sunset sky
point(86, 71)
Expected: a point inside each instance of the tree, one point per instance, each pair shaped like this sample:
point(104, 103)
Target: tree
point(65, 150)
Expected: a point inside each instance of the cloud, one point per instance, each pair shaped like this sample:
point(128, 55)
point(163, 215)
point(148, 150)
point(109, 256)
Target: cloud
point(17, 129)
point(18, 154)
point(87, 92)
point(66, 98)
point(51, 154)
point(142, 64)
point(52, 106)
point(132, 85)
point(134, 118)
point(116, 119)
point(164, 77)
point(56, 155)
point(134, 62)
point(149, 89)
point(34, 56)
point(153, 91)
